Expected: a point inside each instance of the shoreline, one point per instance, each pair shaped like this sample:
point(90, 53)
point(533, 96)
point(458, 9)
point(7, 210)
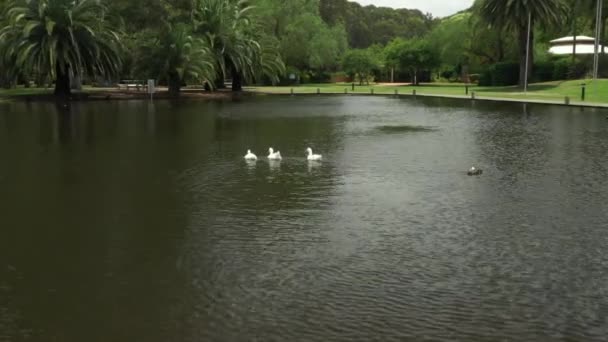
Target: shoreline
point(476, 97)
point(190, 94)
point(121, 95)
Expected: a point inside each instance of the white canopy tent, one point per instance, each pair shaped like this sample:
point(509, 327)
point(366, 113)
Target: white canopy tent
point(565, 46)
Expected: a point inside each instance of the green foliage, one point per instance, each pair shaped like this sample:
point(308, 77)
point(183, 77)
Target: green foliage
point(415, 56)
point(514, 15)
point(177, 56)
point(500, 74)
point(60, 38)
point(370, 25)
point(358, 64)
point(232, 33)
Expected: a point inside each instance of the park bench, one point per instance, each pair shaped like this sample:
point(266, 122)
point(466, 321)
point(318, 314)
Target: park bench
point(133, 84)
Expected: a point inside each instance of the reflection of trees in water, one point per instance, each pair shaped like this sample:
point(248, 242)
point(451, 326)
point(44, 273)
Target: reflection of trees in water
point(108, 221)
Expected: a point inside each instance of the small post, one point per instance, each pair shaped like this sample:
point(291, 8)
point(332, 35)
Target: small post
point(291, 91)
point(414, 92)
point(472, 95)
point(396, 92)
point(345, 91)
point(318, 91)
point(372, 91)
point(567, 100)
point(353, 85)
point(583, 91)
point(466, 89)
point(151, 89)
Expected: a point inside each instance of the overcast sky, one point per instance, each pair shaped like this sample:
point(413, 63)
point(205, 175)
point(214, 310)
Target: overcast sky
point(439, 8)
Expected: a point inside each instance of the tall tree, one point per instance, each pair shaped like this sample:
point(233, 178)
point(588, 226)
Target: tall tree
point(513, 15)
point(177, 56)
point(231, 29)
point(358, 64)
point(60, 39)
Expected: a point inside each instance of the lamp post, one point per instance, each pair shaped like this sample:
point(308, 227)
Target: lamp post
point(598, 32)
point(528, 53)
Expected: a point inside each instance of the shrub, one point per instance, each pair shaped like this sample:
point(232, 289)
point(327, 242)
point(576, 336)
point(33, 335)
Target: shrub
point(561, 69)
point(500, 74)
point(543, 71)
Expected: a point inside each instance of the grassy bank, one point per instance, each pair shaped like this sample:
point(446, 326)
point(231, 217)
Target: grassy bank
point(596, 92)
point(551, 91)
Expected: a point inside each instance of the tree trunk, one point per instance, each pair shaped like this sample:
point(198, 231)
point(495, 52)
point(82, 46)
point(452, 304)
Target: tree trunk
point(500, 48)
point(523, 52)
point(175, 84)
point(464, 73)
point(237, 80)
point(219, 81)
point(574, 33)
point(603, 34)
point(62, 81)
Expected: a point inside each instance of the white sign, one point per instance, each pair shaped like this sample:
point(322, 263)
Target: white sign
point(151, 89)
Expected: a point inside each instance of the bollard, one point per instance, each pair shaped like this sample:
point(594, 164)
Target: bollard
point(345, 91)
point(372, 91)
point(318, 91)
point(473, 95)
point(466, 89)
point(583, 92)
point(396, 92)
point(353, 86)
point(414, 92)
point(291, 91)
point(567, 100)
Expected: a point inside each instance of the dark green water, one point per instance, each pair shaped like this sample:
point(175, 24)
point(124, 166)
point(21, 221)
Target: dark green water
point(127, 221)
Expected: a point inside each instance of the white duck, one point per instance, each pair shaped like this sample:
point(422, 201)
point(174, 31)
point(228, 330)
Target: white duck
point(312, 156)
point(250, 156)
point(272, 155)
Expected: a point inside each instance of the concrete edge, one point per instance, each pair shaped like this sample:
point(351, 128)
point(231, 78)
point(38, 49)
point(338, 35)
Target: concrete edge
point(458, 97)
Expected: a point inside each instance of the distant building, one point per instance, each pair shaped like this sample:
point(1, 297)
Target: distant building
point(565, 46)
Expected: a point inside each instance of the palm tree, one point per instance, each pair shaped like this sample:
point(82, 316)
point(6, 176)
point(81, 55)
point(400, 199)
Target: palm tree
point(231, 30)
point(513, 15)
point(177, 56)
point(59, 39)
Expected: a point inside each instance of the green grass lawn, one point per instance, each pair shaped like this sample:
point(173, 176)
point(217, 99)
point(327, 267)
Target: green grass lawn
point(551, 91)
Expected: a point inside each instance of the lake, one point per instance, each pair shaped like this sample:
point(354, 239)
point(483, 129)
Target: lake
point(139, 221)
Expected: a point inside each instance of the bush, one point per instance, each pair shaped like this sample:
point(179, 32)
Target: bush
point(500, 74)
point(505, 74)
point(561, 69)
point(578, 70)
point(447, 74)
point(320, 77)
point(485, 78)
point(543, 71)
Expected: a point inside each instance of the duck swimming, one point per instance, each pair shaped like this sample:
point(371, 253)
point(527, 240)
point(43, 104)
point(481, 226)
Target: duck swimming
point(272, 155)
point(473, 171)
point(312, 156)
point(250, 156)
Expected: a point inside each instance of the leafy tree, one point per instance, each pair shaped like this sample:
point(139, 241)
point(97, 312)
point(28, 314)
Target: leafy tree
point(358, 64)
point(309, 44)
point(232, 32)
point(177, 56)
point(59, 39)
point(513, 16)
point(414, 55)
point(368, 25)
point(326, 48)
